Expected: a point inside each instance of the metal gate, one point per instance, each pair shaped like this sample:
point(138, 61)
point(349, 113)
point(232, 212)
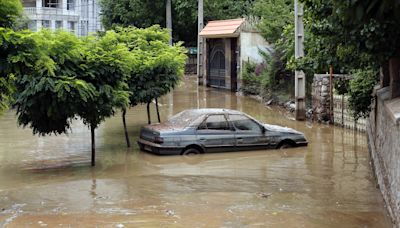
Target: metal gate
point(217, 67)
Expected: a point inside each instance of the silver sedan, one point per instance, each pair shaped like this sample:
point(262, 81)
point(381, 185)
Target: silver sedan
point(215, 130)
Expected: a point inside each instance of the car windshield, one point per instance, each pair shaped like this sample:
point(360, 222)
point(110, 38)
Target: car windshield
point(182, 119)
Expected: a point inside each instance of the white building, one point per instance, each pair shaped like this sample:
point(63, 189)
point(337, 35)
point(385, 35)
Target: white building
point(78, 16)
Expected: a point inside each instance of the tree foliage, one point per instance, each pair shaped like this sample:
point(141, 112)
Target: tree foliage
point(143, 14)
point(353, 36)
point(360, 91)
point(10, 12)
point(60, 77)
point(276, 16)
point(156, 66)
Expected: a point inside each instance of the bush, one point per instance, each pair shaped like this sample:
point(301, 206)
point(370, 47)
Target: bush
point(251, 78)
point(360, 91)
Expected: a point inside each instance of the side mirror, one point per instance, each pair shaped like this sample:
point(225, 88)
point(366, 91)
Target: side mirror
point(263, 130)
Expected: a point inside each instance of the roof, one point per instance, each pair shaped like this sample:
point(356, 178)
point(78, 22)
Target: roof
point(222, 29)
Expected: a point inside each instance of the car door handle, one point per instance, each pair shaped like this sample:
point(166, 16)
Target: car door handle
point(202, 139)
point(239, 140)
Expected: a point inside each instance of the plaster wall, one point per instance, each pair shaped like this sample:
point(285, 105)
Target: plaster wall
point(383, 140)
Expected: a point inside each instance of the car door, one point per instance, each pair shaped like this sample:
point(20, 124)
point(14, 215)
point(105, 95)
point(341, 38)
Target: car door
point(248, 133)
point(215, 134)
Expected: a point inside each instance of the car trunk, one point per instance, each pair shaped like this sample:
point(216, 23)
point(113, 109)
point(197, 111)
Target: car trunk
point(149, 134)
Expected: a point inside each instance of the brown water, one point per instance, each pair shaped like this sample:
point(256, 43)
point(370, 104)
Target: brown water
point(48, 181)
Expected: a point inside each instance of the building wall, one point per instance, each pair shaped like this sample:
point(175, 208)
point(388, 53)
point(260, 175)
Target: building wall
point(384, 142)
point(251, 43)
point(78, 16)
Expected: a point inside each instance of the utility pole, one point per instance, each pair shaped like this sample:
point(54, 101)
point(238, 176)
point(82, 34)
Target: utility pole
point(200, 44)
point(168, 7)
point(169, 19)
point(300, 79)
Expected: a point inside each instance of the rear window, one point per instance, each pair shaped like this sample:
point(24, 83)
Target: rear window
point(182, 119)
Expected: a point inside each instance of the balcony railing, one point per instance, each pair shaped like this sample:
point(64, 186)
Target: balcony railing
point(31, 11)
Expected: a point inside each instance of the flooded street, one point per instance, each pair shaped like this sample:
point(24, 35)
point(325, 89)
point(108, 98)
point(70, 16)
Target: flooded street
point(48, 181)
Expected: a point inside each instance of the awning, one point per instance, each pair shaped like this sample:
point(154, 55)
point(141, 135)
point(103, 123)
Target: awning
point(222, 29)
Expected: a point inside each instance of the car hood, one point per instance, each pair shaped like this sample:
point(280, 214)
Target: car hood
point(281, 129)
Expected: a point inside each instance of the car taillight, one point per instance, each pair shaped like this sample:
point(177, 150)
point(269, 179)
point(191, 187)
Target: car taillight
point(158, 140)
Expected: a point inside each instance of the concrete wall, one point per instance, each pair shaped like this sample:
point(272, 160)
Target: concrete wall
point(250, 44)
point(384, 142)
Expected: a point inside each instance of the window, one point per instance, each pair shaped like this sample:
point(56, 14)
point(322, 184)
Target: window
point(243, 123)
point(215, 122)
point(84, 9)
point(70, 4)
point(71, 26)
point(45, 24)
point(59, 25)
point(51, 3)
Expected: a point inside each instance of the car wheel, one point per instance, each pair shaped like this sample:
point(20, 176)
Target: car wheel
point(141, 146)
point(191, 151)
point(285, 145)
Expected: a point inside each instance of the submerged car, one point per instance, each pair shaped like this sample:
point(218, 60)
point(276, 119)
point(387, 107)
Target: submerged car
point(215, 130)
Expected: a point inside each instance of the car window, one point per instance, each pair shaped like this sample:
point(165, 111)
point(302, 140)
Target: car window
point(214, 122)
point(243, 123)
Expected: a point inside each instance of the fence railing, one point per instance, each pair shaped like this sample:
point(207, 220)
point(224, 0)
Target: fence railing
point(49, 11)
point(342, 115)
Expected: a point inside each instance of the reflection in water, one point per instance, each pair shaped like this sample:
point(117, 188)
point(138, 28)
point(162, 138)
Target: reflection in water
point(48, 180)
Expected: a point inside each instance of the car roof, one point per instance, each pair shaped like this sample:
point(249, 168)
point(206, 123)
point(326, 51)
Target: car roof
point(206, 111)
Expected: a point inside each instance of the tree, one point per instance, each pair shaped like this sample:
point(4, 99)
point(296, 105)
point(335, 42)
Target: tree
point(60, 77)
point(156, 66)
point(10, 12)
point(108, 65)
point(143, 13)
point(354, 35)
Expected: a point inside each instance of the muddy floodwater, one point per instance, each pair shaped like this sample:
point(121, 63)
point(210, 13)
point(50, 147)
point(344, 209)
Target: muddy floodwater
point(48, 181)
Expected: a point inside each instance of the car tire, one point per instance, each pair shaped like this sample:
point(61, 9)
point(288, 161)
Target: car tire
point(285, 145)
point(191, 151)
point(141, 147)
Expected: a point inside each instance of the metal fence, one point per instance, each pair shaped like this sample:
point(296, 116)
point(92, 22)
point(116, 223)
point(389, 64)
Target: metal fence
point(342, 115)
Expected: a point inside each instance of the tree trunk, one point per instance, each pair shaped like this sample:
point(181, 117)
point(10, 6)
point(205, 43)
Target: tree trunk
point(158, 112)
point(148, 113)
point(128, 142)
point(92, 128)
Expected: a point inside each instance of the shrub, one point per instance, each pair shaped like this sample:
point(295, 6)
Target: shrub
point(360, 91)
point(251, 79)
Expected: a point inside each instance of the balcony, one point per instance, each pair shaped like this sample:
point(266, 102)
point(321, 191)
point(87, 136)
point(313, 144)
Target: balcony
point(50, 13)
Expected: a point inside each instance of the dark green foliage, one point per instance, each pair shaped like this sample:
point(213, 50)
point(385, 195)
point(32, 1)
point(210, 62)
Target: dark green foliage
point(10, 12)
point(251, 81)
point(353, 36)
point(108, 64)
point(342, 86)
point(50, 87)
point(360, 91)
point(60, 77)
point(276, 16)
point(156, 66)
point(143, 13)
